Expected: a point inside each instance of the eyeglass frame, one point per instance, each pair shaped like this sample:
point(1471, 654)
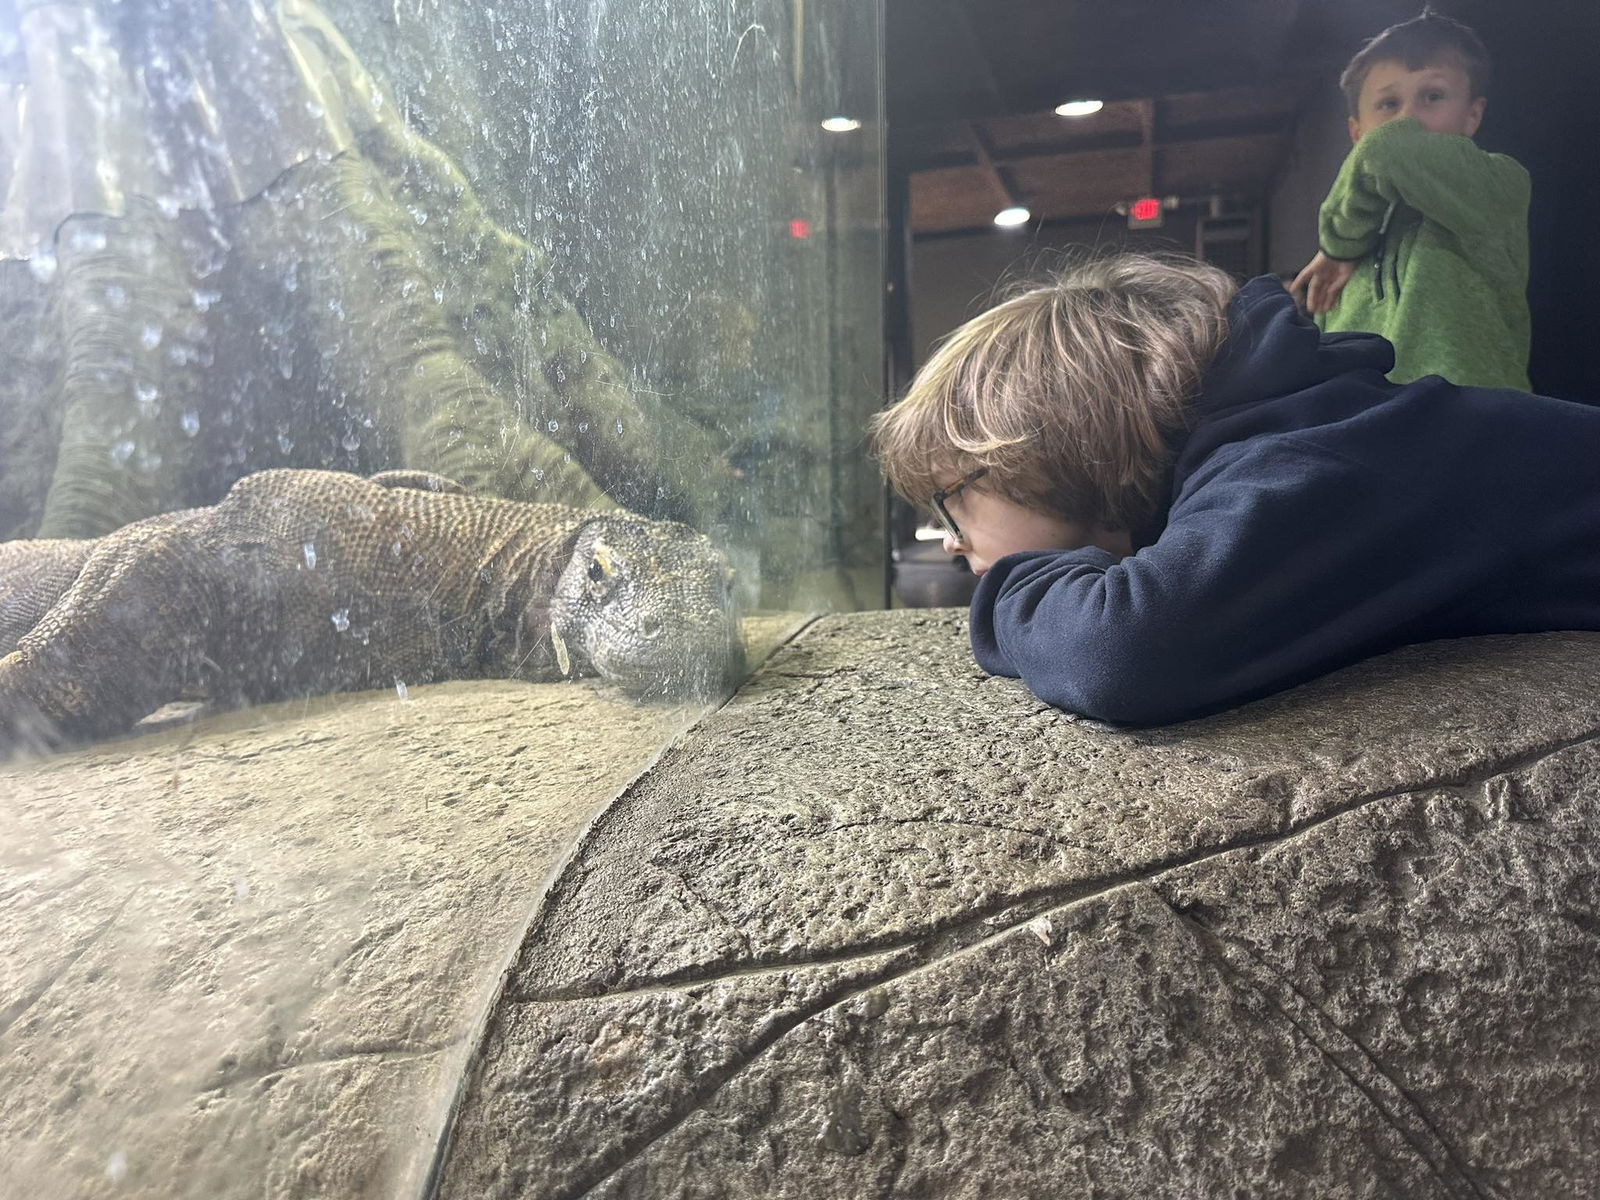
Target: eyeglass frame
point(941, 513)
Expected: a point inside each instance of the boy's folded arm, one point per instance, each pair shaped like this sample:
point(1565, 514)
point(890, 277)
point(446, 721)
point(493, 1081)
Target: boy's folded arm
point(1246, 592)
point(1444, 176)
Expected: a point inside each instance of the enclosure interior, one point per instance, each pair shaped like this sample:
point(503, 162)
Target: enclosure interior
point(595, 253)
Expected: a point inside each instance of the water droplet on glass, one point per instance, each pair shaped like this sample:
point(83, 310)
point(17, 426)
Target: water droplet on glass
point(285, 443)
point(42, 265)
point(146, 394)
point(241, 888)
point(538, 473)
point(87, 239)
point(117, 1166)
point(203, 300)
point(150, 337)
point(553, 426)
point(117, 296)
point(122, 451)
point(419, 215)
point(341, 620)
point(351, 441)
point(310, 552)
point(190, 421)
point(400, 689)
point(583, 427)
point(169, 206)
point(438, 295)
point(619, 428)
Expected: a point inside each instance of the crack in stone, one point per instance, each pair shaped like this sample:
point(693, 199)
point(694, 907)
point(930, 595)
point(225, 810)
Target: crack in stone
point(1025, 906)
point(1337, 1046)
point(940, 948)
point(707, 1088)
point(13, 1012)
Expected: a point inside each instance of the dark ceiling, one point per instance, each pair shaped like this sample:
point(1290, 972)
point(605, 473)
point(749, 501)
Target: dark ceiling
point(1202, 97)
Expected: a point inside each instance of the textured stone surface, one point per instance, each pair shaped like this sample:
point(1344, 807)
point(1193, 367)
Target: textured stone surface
point(880, 926)
point(251, 958)
point(884, 927)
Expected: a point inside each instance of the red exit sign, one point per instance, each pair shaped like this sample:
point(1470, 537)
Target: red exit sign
point(1147, 212)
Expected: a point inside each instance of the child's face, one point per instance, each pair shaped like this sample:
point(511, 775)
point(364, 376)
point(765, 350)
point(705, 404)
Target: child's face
point(992, 527)
point(1439, 95)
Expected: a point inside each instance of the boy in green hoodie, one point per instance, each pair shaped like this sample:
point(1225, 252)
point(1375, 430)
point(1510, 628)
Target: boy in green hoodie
point(1424, 237)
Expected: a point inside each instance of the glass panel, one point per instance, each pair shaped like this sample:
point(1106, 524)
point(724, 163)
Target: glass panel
point(592, 253)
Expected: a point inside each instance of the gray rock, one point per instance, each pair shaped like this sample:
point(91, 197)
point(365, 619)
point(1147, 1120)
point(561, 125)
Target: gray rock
point(880, 926)
point(252, 957)
point(885, 927)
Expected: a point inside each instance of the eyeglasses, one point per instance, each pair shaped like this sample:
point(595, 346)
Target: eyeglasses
point(941, 513)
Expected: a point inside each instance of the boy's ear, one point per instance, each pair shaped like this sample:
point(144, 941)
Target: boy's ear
point(1475, 115)
point(1355, 131)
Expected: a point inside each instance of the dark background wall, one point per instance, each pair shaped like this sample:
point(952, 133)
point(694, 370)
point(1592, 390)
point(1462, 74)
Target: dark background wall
point(1319, 146)
point(1543, 111)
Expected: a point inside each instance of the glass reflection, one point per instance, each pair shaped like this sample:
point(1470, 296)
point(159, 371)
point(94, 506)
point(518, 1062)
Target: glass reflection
point(591, 254)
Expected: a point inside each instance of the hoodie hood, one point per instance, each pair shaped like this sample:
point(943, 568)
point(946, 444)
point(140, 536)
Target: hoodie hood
point(1273, 350)
point(1277, 372)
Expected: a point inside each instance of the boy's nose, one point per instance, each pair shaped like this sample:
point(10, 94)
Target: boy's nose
point(952, 545)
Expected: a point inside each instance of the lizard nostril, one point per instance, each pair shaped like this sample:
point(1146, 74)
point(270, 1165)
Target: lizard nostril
point(650, 627)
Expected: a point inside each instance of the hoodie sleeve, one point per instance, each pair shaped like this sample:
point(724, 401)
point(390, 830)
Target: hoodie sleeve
point(1444, 176)
point(1283, 563)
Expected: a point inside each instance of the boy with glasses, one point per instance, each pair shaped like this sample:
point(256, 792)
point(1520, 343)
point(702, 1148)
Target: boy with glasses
point(1180, 495)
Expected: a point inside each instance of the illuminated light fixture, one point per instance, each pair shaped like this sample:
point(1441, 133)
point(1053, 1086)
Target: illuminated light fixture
point(1079, 108)
point(1015, 215)
point(799, 228)
point(841, 124)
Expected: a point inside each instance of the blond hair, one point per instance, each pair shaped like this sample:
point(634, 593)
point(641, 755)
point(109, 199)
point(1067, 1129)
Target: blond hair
point(1068, 392)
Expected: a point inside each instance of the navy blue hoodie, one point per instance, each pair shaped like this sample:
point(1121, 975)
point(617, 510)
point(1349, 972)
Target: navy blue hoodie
point(1319, 514)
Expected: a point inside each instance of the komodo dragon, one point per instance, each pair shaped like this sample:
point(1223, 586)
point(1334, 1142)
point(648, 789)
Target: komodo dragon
point(314, 581)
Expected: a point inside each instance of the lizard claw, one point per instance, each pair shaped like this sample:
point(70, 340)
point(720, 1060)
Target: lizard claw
point(563, 659)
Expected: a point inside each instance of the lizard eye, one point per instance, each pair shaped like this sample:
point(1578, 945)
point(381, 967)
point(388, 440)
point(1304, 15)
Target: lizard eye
point(596, 572)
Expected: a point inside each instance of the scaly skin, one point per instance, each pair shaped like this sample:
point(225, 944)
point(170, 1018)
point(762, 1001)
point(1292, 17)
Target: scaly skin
point(313, 581)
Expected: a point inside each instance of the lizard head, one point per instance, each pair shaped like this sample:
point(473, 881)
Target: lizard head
point(649, 606)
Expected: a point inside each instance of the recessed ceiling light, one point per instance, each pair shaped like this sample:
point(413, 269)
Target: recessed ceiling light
point(1015, 215)
point(841, 124)
point(1079, 108)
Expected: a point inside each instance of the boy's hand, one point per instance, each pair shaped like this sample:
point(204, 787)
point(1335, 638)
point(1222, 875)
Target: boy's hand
point(1316, 289)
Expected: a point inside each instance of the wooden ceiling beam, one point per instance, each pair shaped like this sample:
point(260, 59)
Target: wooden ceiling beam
point(1005, 186)
point(1096, 143)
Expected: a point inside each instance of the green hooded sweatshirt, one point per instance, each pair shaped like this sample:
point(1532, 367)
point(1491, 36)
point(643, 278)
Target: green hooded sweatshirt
point(1440, 229)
